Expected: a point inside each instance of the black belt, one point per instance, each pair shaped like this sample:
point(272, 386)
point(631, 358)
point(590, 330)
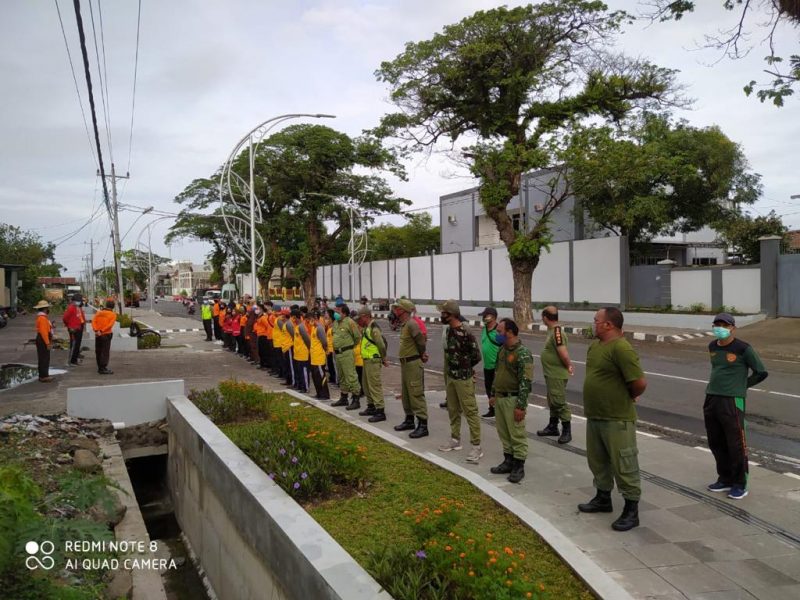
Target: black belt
point(505, 395)
point(340, 350)
point(408, 359)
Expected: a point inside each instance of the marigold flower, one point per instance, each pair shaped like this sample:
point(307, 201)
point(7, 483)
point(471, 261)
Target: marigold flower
point(508, 551)
point(493, 560)
point(462, 555)
point(529, 595)
point(437, 512)
point(471, 573)
point(509, 570)
point(448, 548)
point(521, 555)
point(509, 583)
point(541, 586)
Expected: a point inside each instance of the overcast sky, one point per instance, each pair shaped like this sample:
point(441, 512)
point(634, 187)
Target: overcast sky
point(210, 71)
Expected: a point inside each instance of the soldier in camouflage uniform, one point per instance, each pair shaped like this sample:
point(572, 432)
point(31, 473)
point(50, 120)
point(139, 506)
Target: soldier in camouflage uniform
point(512, 385)
point(461, 354)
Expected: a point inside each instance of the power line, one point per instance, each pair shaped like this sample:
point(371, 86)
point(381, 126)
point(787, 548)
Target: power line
point(75, 80)
point(103, 87)
point(135, 70)
point(85, 54)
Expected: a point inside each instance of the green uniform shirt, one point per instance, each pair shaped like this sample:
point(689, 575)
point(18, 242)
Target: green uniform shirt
point(412, 340)
point(514, 373)
point(610, 367)
point(461, 353)
point(345, 333)
point(551, 362)
point(489, 347)
point(730, 366)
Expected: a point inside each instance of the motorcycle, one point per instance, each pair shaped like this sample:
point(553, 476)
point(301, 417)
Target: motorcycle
point(191, 308)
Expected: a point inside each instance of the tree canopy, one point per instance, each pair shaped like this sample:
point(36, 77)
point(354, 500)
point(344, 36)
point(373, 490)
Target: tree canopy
point(742, 232)
point(513, 82)
point(417, 237)
point(25, 248)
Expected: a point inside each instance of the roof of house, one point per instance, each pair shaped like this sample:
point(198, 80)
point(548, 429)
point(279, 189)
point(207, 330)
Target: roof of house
point(57, 280)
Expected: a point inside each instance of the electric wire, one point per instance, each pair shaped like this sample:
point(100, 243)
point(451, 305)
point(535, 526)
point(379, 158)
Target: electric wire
point(75, 81)
point(106, 109)
point(135, 71)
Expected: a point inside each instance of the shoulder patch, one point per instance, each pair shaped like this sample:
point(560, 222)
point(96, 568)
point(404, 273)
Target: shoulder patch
point(558, 336)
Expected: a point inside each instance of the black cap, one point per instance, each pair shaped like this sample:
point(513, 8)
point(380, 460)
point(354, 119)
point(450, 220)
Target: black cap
point(77, 298)
point(725, 318)
point(489, 310)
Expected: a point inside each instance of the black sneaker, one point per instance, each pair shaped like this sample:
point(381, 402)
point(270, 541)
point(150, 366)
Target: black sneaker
point(718, 486)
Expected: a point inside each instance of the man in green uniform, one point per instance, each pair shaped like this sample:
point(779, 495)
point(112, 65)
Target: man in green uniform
point(735, 366)
point(489, 349)
point(412, 354)
point(512, 384)
point(373, 351)
point(345, 337)
point(614, 381)
point(557, 368)
point(461, 354)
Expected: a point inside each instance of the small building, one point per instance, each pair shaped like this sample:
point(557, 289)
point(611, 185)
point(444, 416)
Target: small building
point(9, 284)
point(55, 289)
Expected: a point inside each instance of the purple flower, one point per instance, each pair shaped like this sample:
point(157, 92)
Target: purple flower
point(421, 554)
point(296, 485)
point(271, 475)
point(294, 460)
point(282, 451)
point(303, 475)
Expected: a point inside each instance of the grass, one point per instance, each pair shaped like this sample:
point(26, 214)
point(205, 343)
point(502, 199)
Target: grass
point(400, 483)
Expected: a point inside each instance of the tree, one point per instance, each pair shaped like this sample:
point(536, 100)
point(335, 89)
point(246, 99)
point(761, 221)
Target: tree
point(733, 42)
point(24, 248)
point(311, 170)
point(515, 81)
point(135, 266)
point(415, 238)
point(741, 233)
point(652, 177)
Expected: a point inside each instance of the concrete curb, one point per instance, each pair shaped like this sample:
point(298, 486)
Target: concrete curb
point(592, 575)
point(633, 335)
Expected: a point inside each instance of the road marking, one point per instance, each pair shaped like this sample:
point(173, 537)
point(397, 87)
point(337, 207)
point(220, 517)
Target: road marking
point(703, 449)
point(646, 434)
point(794, 475)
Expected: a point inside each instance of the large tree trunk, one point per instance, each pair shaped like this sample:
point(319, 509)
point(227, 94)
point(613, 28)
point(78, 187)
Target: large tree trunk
point(522, 271)
point(310, 287)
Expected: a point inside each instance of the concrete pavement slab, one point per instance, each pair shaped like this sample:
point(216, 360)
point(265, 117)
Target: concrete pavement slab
point(753, 573)
point(646, 583)
point(713, 549)
point(765, 546)
point(695, 579)
point(615, 559)
point(784, 592)
point(663, 555)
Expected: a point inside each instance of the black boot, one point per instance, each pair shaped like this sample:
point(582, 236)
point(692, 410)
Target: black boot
point(342, 401)
point(629, 517)
point(367, 412)
point(505, 466)
point(421, 430)
point(406, 425)
point(600, 503)
point(442, 404)
point(566, 433)
point(551, 429)
point(489, 413)
point(517, 470)
point(379, 416)
point(355, 403)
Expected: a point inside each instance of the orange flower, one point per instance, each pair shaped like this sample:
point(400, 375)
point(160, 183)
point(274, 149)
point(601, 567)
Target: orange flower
point(471, 573)
point(541, 587)
point(529, 595)
point(509, 570)
point(509, 583)
point(408, 512)
point(462, 555)
point(470, 541)
point(448, 548)
point(437, 512)
point(493, 560)
point(521, 555)
point(508, 551)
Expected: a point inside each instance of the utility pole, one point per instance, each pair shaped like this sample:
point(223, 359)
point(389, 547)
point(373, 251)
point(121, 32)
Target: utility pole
point(91, 269)
point(115, 235)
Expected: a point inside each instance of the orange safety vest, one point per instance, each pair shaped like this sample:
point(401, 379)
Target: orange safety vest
point(270, 326)
point(103, 321)
point(44, 328)
point(215, 310)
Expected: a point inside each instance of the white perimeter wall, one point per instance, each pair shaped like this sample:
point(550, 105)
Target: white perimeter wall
point(380, 279)
point(691, 287)
point(597, 270)
point(475, 275)
point(402, 278)
point(502, 280)
point(445, 281)
point(551, 277)
point(741, 289)
point(421, 278)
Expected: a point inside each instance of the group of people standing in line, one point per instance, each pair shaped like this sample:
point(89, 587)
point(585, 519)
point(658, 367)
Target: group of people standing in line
point(74, 319)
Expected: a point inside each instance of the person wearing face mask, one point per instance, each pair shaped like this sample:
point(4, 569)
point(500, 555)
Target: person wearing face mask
point(614, 381)
point(461, 354)
point(489, 349)
point(75, 321)
point(206, 313)
point(44, 340)
point(346, 336)
point(412, 355)
point(735, 366)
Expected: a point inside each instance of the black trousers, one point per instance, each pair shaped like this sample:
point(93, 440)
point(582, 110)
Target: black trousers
point(488, 381)
point(288, 367)
point(43, 357)
point(102, 350)
point(242, 345)
point(207, 327)
point(320, 382)
point(264, 351)
point(217, 330)
point(360, 372)
point(301, 375)
point(75, 340)
point(331, 368)
point(727, 437)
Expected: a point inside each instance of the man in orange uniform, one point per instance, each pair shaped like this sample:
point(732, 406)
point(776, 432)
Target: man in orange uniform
point(44, 340)
point(103, 326)
point(75, 321)
point(216, 320)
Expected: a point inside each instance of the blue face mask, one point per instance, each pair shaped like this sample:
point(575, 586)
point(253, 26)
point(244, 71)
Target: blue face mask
point(721, 333)
point(500, 339)
point(337, 316)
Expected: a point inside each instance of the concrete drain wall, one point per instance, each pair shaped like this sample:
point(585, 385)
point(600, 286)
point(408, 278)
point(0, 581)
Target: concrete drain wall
point(251, 538)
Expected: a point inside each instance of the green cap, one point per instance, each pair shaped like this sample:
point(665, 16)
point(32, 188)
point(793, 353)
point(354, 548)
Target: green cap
point(449, 306)
point(406, 304)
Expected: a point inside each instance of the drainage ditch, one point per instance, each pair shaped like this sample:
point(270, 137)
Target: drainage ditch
point(148, 475)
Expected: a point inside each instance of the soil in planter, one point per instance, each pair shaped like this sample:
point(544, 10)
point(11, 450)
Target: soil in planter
point(149, 478)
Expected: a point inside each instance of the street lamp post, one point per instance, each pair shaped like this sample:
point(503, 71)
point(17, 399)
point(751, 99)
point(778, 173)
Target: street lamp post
point(236, 216)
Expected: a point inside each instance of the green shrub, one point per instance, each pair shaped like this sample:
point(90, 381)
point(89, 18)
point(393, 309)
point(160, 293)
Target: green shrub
point(148, 342)
point(697, 307)
point(231, 400)
point(124, 320)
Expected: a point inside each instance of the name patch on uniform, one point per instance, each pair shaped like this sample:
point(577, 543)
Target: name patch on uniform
point(557, 336)
point(511, 357)
point(731, 357)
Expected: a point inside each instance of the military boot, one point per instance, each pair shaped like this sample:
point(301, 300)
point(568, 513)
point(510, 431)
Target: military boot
point(551, 429)
point(629, 517)
point(421, 430)
point(517, 470)
point(378, 416)
point(342, 401)
point(600, 503)
point(566, 433)
point(406, 425)
point(489, 413)
point(367, 412)
point(505, 466)
point(355, 403)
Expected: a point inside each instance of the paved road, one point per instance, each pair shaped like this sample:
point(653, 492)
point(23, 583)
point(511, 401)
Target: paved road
point(677, 377)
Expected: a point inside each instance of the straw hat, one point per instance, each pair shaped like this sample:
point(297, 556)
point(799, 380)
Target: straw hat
point(42, 304)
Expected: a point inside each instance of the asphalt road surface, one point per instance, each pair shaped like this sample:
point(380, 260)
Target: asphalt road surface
point(672, 406)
